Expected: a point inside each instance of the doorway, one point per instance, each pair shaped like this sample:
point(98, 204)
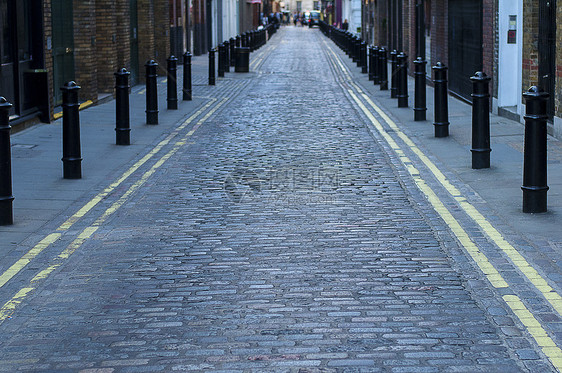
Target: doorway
point(465, 44)
point(21, 54)
point(63, 45)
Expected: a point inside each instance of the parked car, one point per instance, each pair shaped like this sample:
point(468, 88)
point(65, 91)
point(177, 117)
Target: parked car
point(314, 19)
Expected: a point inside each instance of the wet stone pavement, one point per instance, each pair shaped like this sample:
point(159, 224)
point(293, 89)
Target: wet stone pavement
point(280, 238)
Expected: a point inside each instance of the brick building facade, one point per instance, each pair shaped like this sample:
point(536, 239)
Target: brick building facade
point(82, 40)
point(459, 33)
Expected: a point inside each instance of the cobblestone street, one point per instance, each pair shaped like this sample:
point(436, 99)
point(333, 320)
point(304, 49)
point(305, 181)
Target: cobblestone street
point(277, 234)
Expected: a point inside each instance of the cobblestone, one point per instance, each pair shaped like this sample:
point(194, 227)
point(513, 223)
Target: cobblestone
point(281, 238)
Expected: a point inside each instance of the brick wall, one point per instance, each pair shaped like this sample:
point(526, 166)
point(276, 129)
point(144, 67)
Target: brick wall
point(85, 67)
point(494, 84)
point(106, 44)
point(489, 11)
point(382, 20)
point(162, 32)
point(439, 31)
point(410, 32)
point(408, 28)
point(123, 35)
point(48, 36)
point(558, 84)
point(530, 43)
point(145, 11)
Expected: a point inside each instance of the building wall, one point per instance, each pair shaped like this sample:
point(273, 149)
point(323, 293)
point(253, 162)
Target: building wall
point(85, 41)
point(48, 37)
point(145, 11)
point(558, 98)
point(161, 32)
point(489, 12)
point(123, 30)
point(439, 33)
point(106, 44)
point(530, 66)
point(351, 10)
point(229, 19)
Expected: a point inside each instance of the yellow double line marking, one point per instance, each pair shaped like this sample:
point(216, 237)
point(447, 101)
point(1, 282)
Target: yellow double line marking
point(553, 352)
point(81, 107)
point(7, 310)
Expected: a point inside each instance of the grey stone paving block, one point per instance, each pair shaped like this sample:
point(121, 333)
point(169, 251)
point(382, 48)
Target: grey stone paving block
point(281, 238)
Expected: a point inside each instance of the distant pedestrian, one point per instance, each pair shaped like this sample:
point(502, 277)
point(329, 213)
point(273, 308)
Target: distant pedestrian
point(345, 25)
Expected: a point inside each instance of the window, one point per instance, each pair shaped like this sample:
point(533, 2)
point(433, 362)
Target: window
point(299, 6)
point(316, 5)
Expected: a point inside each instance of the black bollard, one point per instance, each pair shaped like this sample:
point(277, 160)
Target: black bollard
point(371, 62)
point(172, 83)
point(357, 52)
point(6, 198)
point(226, 64)
point(441, 103)
point(71, 157)
point(376, 70)
point(122, 118)
point(212, 80)
point(383, 69)
point(420, 108)
point(402, 80)
point(151, 92)
point(480, 121)
point(233, 44)
point(238, 41)
point(221, 61)
point(393, 74)
point(242, 60)
point(187, 89)
point(363, 59)
point(354, 52)
point(534, 157)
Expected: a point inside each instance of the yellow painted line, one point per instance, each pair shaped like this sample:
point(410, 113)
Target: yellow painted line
point(53, 237)
point(533, 326)
point(516, 258)
point(27, 257)
point(9, 307)
point(479, 258)
point(546, 344)
point(142, 91)
point(85, 104)
point(82, 106)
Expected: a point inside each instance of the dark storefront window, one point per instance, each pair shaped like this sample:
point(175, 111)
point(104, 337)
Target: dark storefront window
point(6, 41)
point(21, 54)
